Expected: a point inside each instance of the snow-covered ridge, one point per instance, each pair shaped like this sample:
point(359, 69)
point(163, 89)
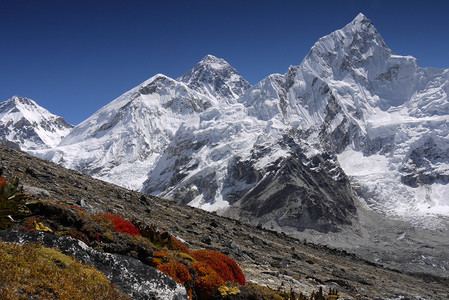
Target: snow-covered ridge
point(26, 125)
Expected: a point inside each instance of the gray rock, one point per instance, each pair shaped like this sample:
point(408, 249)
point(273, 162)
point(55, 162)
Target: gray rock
point(36, 191)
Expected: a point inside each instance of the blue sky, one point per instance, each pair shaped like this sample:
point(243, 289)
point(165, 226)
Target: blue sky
point(73, 57)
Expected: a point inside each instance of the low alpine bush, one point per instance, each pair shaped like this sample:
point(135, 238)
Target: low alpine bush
point(121, 224)
point(226, 267)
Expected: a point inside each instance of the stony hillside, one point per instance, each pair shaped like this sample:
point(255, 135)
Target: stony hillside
point(266, 257)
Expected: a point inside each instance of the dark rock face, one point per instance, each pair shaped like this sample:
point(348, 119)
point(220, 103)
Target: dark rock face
point(297, 192)
point(130, 275)
point(243, 172)
point(422, 164)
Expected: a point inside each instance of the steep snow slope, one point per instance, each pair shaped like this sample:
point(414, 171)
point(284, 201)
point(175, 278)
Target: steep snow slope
point(224, 160)
point(393, 116)
point(27, 126)
point(385, 115)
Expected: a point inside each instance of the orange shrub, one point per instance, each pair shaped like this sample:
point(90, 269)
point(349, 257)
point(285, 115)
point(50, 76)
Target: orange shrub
point(177, 271)
point(78, 208)
point(160, 258)
point(226, 267)
point(207, 282)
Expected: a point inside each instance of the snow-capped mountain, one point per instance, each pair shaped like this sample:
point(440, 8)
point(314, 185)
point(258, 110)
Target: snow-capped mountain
point(121, 142)
point(352, 101)
point(27, 126)
point(295, 150)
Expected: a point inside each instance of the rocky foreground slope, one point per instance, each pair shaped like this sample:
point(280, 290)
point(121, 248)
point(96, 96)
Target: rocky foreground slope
point(266, 257)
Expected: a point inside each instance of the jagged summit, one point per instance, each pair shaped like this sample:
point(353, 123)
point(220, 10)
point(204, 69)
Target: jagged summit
point(357, 45)
point(25, 125)
point(17, 99)
point(360, 18)
point(21, 102)
point(214, 62)
point(216, 78)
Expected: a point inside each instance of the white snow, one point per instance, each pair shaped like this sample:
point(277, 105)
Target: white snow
point(39, 128)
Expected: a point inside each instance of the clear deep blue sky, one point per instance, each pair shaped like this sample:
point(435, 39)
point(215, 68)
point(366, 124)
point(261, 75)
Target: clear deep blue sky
point(73, 57)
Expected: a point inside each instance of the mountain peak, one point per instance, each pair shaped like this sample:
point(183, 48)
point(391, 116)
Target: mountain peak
point(210, 58)
point(210, 61)
point(39, 129)
point(360, 24)
point(360, 18)
point(22, 100)
point(356, 45)
point(216, 78)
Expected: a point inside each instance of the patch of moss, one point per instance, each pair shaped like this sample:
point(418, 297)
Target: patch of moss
point(33, 271)
point(108, 236)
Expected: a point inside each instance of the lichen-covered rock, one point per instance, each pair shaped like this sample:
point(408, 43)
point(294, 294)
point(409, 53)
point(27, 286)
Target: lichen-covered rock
point(130, 275)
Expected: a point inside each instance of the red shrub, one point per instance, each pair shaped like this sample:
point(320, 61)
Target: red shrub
point(2, 181)
point(78, 235)
point(207, 282)
point(226, 267)
point(121, 224)
point(78, 208)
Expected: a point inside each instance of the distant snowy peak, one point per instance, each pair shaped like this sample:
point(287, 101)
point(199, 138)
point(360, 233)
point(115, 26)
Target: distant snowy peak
point(216, 78)
point(26, 125)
